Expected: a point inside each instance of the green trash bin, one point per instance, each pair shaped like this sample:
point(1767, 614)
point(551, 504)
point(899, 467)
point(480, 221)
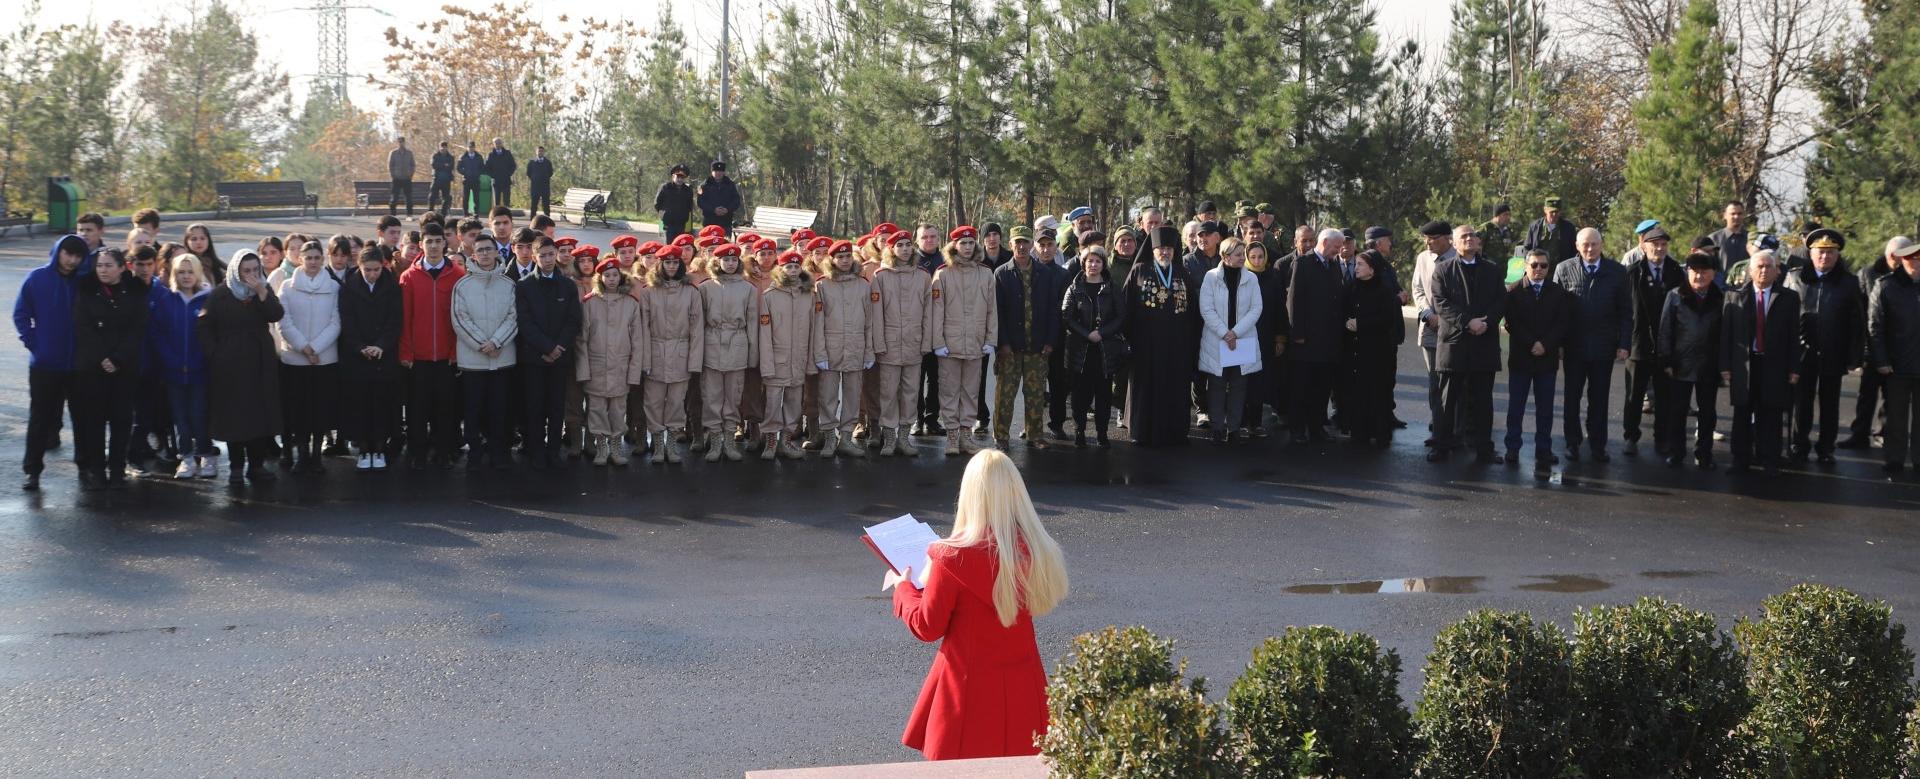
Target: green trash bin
point(480, 201)
point(65, 200)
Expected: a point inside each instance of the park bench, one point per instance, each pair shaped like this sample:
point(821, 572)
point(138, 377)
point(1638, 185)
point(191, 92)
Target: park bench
point(370, 195)
point(12, 219)
point(229, 195)
point(585, 204)
point(778, 222)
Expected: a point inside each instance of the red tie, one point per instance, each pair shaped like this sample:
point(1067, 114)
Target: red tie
point(1760, 338)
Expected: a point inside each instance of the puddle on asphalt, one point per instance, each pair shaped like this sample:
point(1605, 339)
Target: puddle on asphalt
point(1463, 585)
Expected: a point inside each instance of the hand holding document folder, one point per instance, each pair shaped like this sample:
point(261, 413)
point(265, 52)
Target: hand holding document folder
point(902, 542)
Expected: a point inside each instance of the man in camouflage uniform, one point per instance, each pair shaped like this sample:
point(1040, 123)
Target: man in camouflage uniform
point(1498, 238)
point(1028, 303)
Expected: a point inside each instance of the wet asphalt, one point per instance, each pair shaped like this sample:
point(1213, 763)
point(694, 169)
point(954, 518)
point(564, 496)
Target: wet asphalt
point(704, 620)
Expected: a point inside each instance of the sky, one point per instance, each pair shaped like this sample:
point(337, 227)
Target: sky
point(286, 26)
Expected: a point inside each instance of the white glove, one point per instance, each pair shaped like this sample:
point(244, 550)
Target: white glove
point(986, 348)
point(941, 352)
point(869, 365)
point(822, 365)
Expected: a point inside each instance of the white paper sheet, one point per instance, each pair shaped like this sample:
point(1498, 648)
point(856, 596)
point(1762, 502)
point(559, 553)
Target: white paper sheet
point(1232, 357)
point(903, 541)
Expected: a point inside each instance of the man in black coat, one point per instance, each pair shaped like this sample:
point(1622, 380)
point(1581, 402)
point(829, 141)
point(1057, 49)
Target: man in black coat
point(1648, 282)
point(540, 182)
point(548, 306)
point(1867, 408)
point(1759, 362)
point(1893, 330)
point(440, 194)
point(471, 166)
point(501, 166)
point(1538, 313)
point(1689, 351)
point(1470, 297)
point(719, 198)
point(1552, 232)
point(1833, 332)
point(1601, 331)
point(1314, 331)
point(674, 203)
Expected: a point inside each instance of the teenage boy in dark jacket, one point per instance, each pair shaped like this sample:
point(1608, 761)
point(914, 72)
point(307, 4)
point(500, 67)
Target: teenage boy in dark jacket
point(43, 318)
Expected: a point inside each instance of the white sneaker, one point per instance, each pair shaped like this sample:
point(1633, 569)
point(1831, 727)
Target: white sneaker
point(209, 467)
point(186, 469)
point(379, 462)
point(365, 463)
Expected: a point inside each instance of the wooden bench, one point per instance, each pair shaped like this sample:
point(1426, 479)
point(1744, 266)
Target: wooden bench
point(230, 195)
point(778, 223)
point(370, 195)
point(12, 219)
point(584, 205)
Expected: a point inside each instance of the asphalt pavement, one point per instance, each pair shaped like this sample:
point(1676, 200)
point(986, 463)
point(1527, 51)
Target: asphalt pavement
point(704, 620)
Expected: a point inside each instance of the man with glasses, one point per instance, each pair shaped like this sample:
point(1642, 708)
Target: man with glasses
point(1538, 313)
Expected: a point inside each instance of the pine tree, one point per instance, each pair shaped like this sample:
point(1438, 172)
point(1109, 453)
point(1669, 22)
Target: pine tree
point(214, 106)
point(1865, 180)
point(1681, 169)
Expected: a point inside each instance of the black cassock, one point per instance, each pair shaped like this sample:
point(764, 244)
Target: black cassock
point(1163, 325)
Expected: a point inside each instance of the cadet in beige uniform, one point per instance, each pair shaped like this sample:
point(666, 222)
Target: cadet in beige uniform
point(901, 317)
point(675, 347)
point(786, 354)
point(731, 304)
point(843, 347)
point(964, 327)
point(611, 358)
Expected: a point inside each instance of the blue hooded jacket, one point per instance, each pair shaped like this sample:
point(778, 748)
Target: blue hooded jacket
point(43, 314)
point(173, 334)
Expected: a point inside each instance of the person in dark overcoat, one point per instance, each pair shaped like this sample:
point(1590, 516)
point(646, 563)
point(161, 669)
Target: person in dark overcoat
point(1163, 327)
point(1648, 282)
point(1314, 334)
point(1094, 313)
point(1689, 350)
point(1538, 314)
point(244, 367)
point(1470, 297)
point(1833, 339)
point(1598, 335)
point(109, 328)
point(1760, 362)
point(1375, 330)
point(370, 321)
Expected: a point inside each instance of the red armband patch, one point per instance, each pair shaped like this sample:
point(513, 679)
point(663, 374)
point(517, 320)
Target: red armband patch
point(874, 297)
point(766, 319)
point(936, 293)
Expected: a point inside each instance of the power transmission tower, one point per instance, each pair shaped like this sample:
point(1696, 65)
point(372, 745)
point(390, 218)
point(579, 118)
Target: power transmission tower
point(332, 33)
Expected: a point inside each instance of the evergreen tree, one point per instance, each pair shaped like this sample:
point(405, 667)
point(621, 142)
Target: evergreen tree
point(1681, 169)
point(1865, 179)
point(213, 107)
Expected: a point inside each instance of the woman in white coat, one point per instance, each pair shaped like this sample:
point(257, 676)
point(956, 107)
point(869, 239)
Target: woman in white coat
point(308, 337)
point(1230, 308)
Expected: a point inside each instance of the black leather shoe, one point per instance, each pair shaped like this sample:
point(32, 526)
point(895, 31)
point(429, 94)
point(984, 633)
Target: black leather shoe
point(1855, 442)
point(1438, 455)
point(32, 483)
point(1399, 424)
point(1488, 458)
point(1825, 458)
point(1673, 461)
point(1632, 449)
point(1513, 458)
point(1602, 457)
point(1573, 454)
point(1704, 463)
point(1797, 455)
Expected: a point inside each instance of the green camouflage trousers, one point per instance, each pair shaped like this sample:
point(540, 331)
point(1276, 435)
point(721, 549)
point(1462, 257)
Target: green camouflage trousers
point(1012, 371)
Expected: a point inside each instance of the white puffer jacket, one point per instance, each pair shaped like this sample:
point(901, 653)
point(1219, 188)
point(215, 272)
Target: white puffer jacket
point(1213, 318)
point(312, 304)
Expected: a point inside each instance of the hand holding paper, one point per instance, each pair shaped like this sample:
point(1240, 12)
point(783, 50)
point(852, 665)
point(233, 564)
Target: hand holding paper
point(902, 542)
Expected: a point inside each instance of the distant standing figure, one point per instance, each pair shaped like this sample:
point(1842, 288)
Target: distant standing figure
point(719, 198)
point(986, 695)
point(501, 166)
point(440, 195)
point(472, 166)
point(674, 201)
point(400, 171)
point(540, 182)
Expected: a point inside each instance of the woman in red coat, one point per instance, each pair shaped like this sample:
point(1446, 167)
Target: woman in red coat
point(986, 695)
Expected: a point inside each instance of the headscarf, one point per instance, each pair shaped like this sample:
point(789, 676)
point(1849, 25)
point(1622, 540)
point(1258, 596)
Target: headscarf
point(239, 289)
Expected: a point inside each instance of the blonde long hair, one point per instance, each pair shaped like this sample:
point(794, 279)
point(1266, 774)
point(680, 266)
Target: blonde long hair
point(995, 510)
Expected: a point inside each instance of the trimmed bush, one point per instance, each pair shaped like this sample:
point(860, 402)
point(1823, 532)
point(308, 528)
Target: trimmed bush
point(1115, 708)
point(1496, 701)
point(1318, 702)
point(1659, 687)
point(1829, 673)
point(1912, 756)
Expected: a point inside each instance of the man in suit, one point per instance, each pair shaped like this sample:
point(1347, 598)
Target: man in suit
point(1314, 332)
point(472, 166)
point(440, 195)
point(1648, 283)
point(1538, 311)
point(1470, 297)
point(1833, 328)
point(1759, 362)
point(1599, 334)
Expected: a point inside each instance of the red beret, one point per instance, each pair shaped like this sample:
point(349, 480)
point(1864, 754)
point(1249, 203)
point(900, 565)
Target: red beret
point(712, 230)
point(899, 236)
point(586, 250)
point(818, 243)
point(747, 239)
point(963, 231)
point(610, 263)
point(840, 246)
point(862, 241)
point(565, 242)
point(625, 240)
point(668, 252)
point(802, 235)
point(683, 239)
point(765, 245)
point(727, 250)
point(885, 228)
point(709, 241)
point(788, 257)
point(649, 247)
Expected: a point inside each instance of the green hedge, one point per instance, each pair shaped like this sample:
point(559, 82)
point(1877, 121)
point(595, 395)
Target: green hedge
point(1319, 702)
point(1116, 708)
point(1658, 687)
point(1496, 700)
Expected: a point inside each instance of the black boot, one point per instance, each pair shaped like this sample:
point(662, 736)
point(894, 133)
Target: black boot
point(236, 464)
point(257, 467)
point(1100, 435)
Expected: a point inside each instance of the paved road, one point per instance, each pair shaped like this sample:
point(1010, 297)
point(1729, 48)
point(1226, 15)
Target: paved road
point(708, 620)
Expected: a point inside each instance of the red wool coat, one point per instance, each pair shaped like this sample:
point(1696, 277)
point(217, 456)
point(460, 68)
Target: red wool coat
point(986, 695)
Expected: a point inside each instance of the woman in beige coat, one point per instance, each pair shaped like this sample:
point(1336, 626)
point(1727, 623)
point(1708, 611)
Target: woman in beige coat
point(675, 349)
point(753, 401)
point(843, 347)
point(786, 354)
point(731, 305)
point(900, 316)
point(965, 326)
point(610, 359)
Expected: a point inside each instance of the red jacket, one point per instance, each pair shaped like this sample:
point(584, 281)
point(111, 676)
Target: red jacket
point(986, 695)
point(426, 331)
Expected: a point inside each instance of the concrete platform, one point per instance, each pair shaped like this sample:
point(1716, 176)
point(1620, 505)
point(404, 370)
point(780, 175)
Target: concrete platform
point(993, 768)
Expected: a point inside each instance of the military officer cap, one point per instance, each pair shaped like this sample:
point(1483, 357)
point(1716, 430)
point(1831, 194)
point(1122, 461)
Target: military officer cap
point(1265, 208)
point(1436, 228)
point(1645, 225)
point(1826, 238)
point(1021, 233)
point(1552, 202)
point(1246, 212)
